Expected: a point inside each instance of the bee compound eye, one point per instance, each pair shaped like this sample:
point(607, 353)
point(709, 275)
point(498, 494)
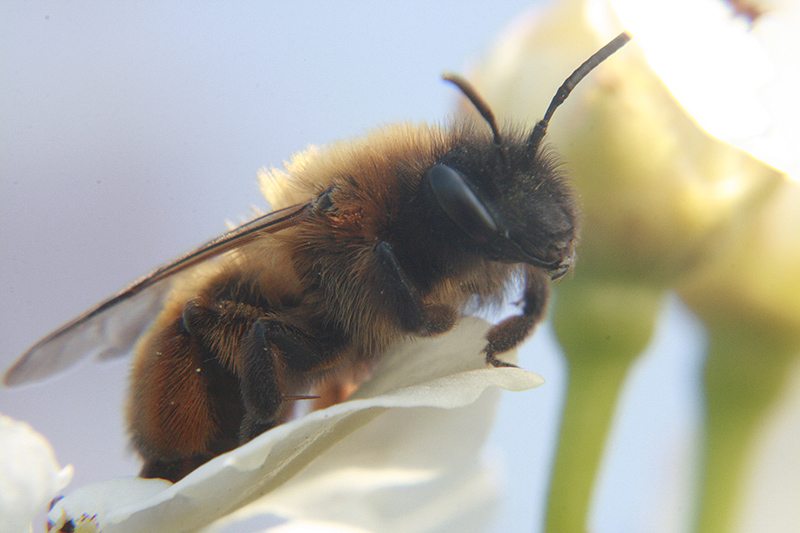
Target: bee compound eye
point(460, 203)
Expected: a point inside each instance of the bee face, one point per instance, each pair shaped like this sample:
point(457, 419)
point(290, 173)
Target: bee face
point(509, 201)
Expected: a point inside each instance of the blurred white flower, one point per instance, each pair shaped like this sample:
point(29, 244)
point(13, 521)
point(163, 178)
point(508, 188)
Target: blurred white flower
point(402, 454)
point(737, 77)
point(29, 475)
point(678, 146)
point(657, 191)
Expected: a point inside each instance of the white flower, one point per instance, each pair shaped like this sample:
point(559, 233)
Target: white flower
point(402, 454)
point(666, 143)
point(738, 78)
point(678, 146)
point(29, 475)
point(657, 191)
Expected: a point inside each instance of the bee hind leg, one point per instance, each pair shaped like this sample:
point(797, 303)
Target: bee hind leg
point(259, 383)
point(275, 360)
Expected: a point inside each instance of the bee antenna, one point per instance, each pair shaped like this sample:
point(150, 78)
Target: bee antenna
point(479, 103)
point(566, 88)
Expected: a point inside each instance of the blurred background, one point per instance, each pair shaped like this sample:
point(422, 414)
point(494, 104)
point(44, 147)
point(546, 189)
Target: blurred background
point(132, 132)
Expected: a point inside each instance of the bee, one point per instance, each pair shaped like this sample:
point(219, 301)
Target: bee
point(373, 240)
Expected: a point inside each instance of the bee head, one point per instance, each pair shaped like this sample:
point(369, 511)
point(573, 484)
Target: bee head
point(506, 195)
point(513, 206)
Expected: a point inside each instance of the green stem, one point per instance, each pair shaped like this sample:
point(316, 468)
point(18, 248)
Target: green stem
point(745, 374)
point(603, 327)
point(587, 416)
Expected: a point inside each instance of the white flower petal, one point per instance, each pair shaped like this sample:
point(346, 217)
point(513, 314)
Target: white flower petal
point(307, 526)
point(417, 445)
point(412, 469)
point(738, 81)
point(29, 474)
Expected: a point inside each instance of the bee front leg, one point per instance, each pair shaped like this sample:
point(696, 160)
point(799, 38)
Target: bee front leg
point(513, 330)
point(414, 314)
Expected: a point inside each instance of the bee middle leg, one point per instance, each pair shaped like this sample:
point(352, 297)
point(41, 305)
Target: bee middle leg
point(414, 314)
point(513, 330)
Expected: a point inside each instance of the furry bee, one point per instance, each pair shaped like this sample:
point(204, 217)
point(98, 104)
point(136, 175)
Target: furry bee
point(393, 235)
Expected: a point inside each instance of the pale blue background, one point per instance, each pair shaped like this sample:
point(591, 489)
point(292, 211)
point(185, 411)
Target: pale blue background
point(132, 131)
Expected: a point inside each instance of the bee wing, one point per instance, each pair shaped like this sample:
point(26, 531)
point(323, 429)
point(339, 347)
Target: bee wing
point(110, 328)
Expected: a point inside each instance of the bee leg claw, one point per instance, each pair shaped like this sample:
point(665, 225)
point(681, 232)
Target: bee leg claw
point(497, 363)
